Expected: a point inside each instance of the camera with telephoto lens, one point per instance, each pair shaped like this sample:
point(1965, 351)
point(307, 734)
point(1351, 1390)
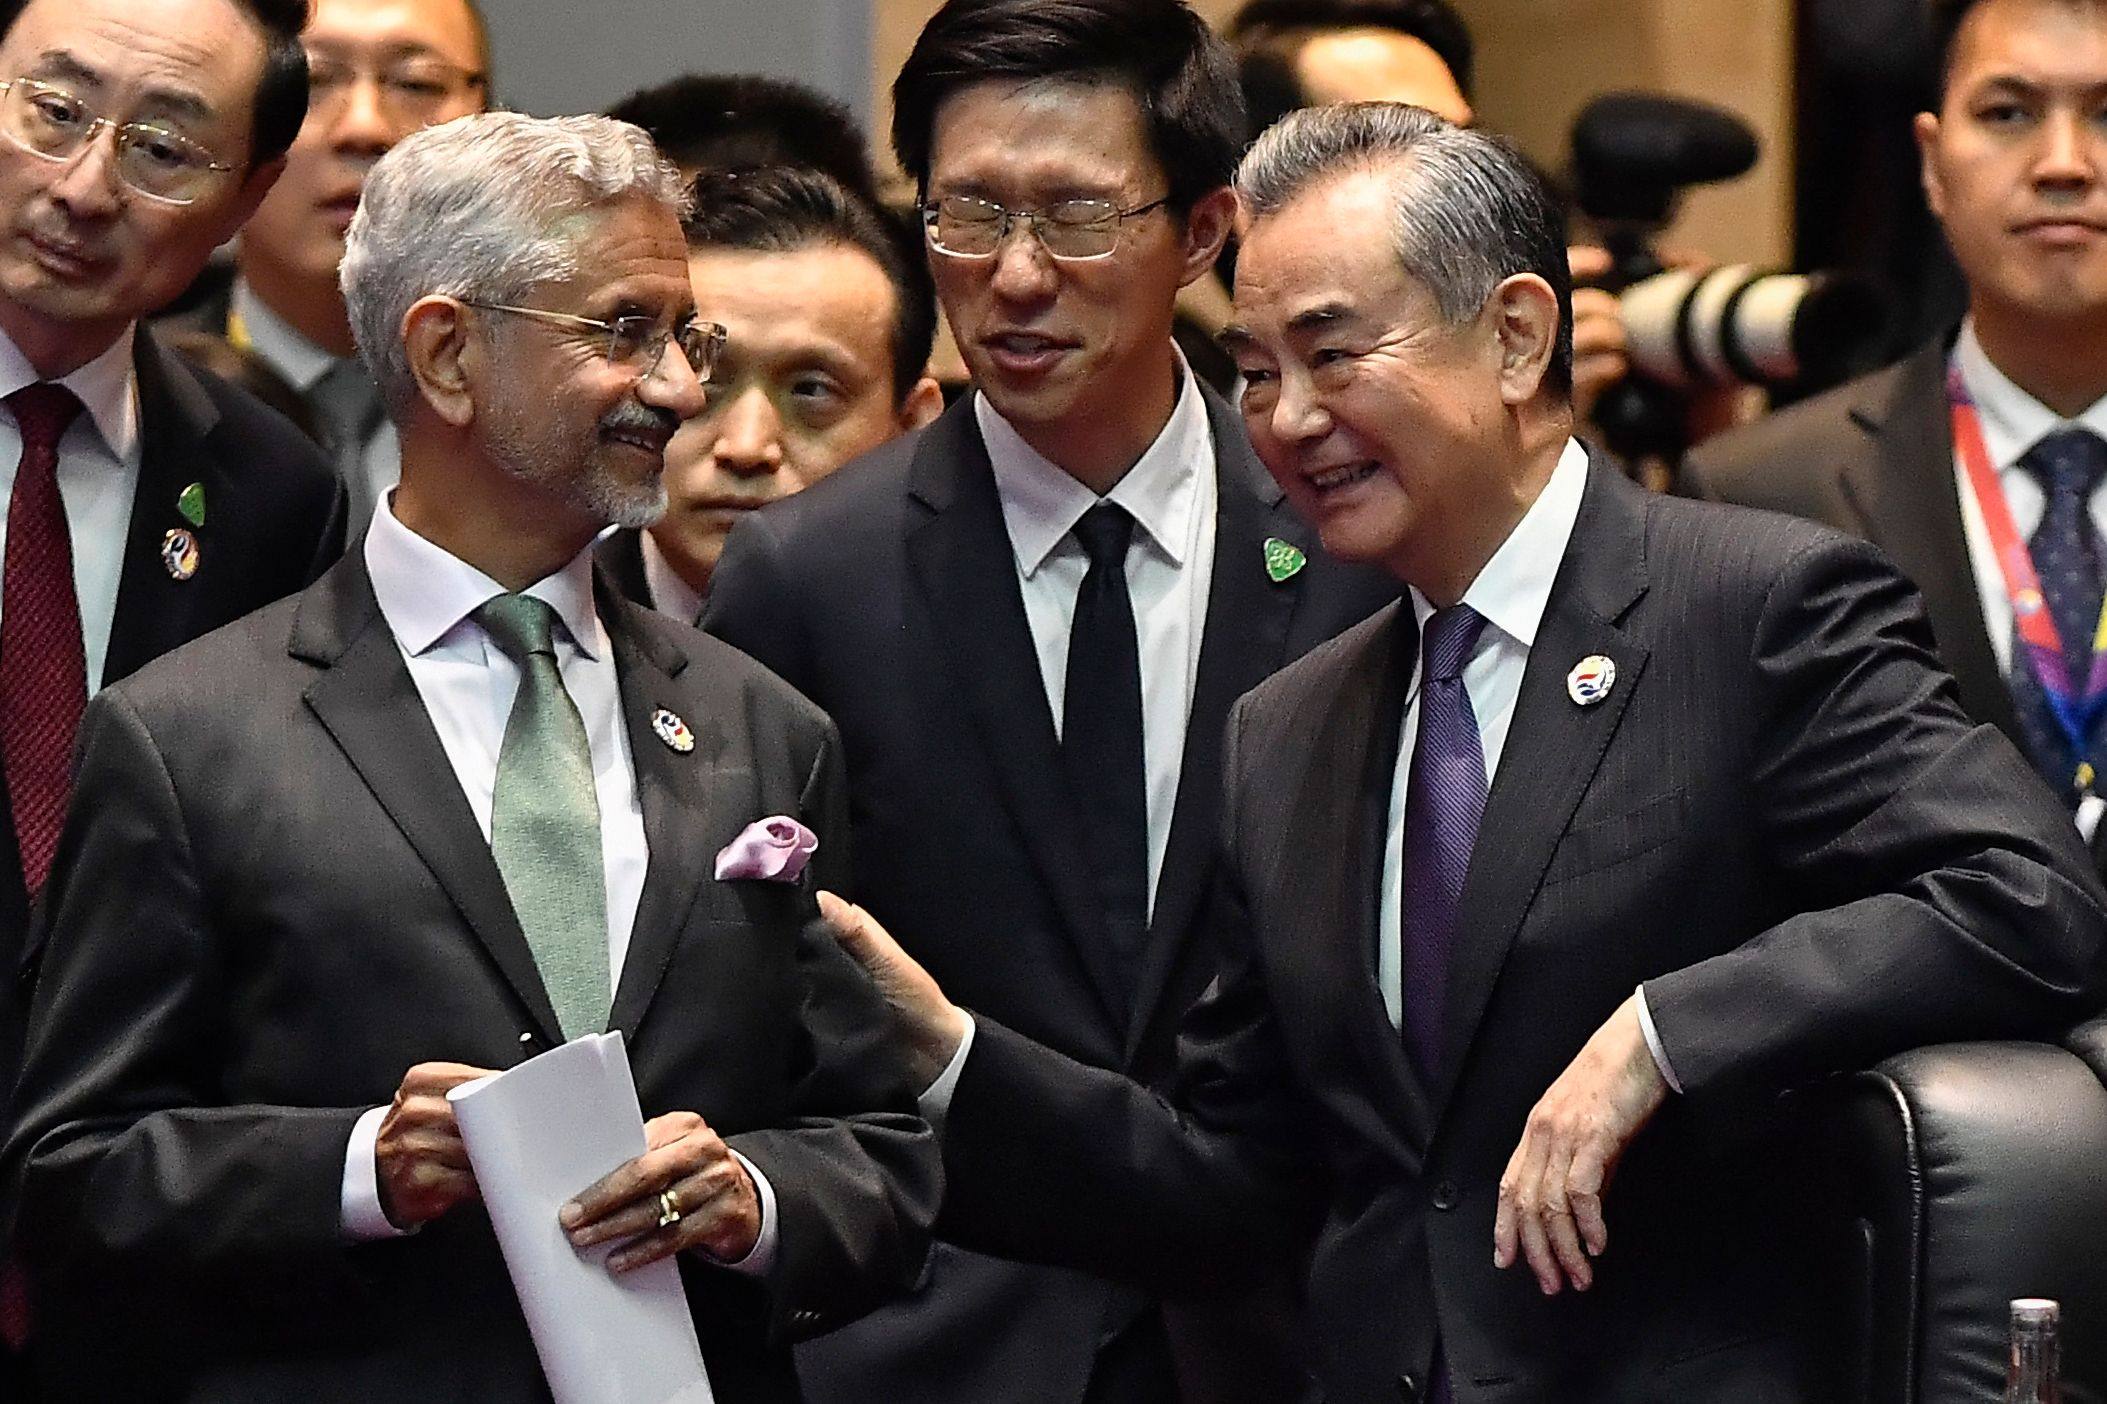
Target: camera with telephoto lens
point(1687, 330)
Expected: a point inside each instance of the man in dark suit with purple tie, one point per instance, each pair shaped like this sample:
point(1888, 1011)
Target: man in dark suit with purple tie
point(1635, 812)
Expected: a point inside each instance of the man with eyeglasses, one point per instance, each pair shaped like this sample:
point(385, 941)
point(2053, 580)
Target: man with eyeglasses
point(1030, 620)
point(378, 70)
point(143, 503)
point(450, 807)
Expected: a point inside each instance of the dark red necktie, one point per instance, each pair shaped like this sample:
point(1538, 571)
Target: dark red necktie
point(43, 665)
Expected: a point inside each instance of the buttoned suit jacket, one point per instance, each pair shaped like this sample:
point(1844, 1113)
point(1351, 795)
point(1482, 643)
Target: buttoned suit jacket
point(888, 593)
point(307, 909)
point(1778, 819)
point(273, 521)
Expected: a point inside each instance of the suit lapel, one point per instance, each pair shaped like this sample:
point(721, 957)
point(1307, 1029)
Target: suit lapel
point(682, 805)
point(1905, 489)
point(1358, 745)
point(1554, 747)
point(1244, 639)
point(965, 572)
point(155, 611)
point(365, 699)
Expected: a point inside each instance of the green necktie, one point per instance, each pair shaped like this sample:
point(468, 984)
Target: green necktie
point(545, 821)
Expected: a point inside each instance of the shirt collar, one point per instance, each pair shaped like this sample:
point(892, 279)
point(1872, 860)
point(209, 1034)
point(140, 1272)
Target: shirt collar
point(108, 387)
point(270, 336)
point(1042, 502)
point(2013, 421)
point(426, 592)
point(1514, 587)
point(669, 593)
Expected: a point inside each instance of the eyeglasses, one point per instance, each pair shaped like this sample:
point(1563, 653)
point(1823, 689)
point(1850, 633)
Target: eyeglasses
point(1074, 231)
point(52, 124)
point(634, 341)
point(414, 92)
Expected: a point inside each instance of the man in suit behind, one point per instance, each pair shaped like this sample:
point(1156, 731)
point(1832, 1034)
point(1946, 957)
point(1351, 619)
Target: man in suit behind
point(2015, 167)
point(379, 70)
point(828, 318)
point(144, 502)
point(1029, 621)
point(1634, 813)
point(452, 805)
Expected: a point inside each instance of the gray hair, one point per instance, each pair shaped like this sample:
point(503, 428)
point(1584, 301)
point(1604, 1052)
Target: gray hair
point(1470, 211)
point(483, 208)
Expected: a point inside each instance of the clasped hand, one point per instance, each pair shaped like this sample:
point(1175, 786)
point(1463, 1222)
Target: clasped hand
point(423, 1172)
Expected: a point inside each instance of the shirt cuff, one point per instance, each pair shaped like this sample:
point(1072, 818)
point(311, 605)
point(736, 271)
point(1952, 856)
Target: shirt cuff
point(761, 1257)
point(362, 1218)
point(935, 1102)
point(1653, 1043)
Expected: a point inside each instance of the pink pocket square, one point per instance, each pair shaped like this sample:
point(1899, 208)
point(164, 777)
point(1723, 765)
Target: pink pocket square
point(774, 849)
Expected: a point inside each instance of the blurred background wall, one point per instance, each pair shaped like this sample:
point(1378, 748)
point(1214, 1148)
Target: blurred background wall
point(1538, 61)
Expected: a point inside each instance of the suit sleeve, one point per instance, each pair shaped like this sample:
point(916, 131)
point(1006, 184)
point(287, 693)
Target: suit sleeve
point(1050, 1160)
point(1942, 893)
point(120, 1147)
point(856, 1172)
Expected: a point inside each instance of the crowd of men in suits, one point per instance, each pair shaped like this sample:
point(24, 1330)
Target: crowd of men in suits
point(1312, 892)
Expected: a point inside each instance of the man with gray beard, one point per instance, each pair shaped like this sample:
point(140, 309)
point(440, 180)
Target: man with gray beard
point(447, 808)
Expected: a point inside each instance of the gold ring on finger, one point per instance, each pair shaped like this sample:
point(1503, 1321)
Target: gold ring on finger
point(668, 1208)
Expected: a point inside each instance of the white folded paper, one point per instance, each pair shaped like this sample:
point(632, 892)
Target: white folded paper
point(537, 1135)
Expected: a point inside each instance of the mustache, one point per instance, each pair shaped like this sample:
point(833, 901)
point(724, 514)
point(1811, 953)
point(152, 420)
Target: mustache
point(635, 418)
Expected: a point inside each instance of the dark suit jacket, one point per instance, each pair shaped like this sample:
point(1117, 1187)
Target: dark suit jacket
point(888, 594)
point(621, 556)
point(1779, 820)
point(273, 522)
point(1875, 458)
point(307, 909)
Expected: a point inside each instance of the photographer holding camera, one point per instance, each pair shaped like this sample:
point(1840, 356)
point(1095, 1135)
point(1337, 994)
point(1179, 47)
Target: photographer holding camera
point(1978, 462)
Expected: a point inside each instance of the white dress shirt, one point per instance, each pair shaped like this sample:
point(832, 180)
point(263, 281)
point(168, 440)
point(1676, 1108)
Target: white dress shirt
point(98, 474)
point(669, 593)
point(1171, 493)
point(467, 684)
point(2013, 422)
point(303, 363)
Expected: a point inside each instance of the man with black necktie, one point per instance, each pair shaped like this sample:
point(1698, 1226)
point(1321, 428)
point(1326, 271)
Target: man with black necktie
point(451, 805)
point(1538, 887)
point(1029, 620)
point(1978, 463)
point(144, 502)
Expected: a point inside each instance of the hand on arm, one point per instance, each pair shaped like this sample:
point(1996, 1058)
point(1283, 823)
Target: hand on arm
point(1551, 1192)
point(713, 1200)
point(931, 1025)
point(419, 1158)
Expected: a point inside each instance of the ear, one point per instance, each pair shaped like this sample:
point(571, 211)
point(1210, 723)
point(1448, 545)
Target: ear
point(254, 186)
point(1526, 324)
point(443, 357)
point(1206, 230)
point(923, 404)
point(1926, 128)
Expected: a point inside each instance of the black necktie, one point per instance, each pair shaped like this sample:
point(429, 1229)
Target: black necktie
point(2067, 558)
point(1101, 731)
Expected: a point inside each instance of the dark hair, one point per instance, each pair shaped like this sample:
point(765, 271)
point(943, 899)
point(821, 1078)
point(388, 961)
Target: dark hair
point(281, 97)
point(1280, 27)
point(1181, 73)
point(1947, 17)
point(786, 209)
point(1470, 209)
point(741, 121)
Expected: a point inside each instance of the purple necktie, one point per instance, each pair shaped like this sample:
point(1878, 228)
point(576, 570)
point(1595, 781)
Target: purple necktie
point(1444, 800)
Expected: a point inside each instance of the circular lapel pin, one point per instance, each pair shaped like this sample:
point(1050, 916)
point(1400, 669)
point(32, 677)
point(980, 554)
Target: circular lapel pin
point(673, 731)
point(1591, 679)
point(179, 553)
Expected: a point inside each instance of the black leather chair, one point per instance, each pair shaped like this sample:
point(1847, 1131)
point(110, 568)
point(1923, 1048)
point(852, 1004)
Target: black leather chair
point(1967, 1175)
